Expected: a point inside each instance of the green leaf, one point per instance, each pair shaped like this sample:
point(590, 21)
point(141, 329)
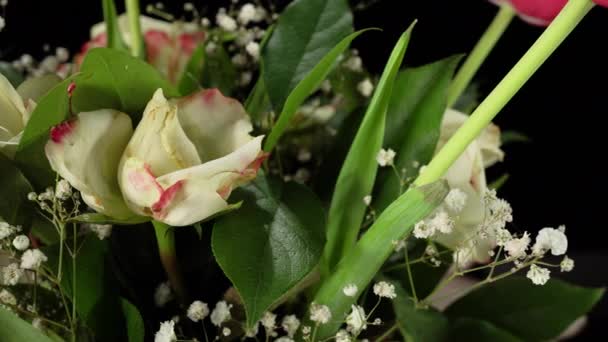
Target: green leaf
point(413, 122)
point(309, 84)
point(135, 324)
point(473, 330)
point(257, 102)
point(98, 218)
point(112, 29)
point(36, 87)
point(528, 311)
point(358, 172)
point(306, 31)
point(218, 70)
point(11, 74)
point(499, 182)
point(269, 245)
point(14, 205)
point(14, 329)
point(190, 80)
point(418, 324)
point(510, 137)
point(363, 263)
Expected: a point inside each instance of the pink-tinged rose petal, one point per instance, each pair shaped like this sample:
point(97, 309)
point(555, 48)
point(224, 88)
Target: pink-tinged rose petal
point(538, 12)
point(155, 42)
point(167, 196)
point(60, 131)
point(190, 41)
point(602, 2)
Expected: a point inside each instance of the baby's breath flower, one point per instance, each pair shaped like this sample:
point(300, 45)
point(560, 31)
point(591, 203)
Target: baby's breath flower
point(354, 63)
point(226, 22)
point(398, 245)
point(385, 290)
point(422, 230)
point(62, 54)
point(197, 311)
point(290, 324)
point(103, 231)
point(365, 87)
point(7, 298)
point(343, 336)
point(226, 331)
point(550, 239)
point(356, 320)
point(2, 24)
point(319, 313)
point(32, 259)
point(269, 321)
point(63, 190)
point(350, 290)
point(456, 200)
point(367, 200)
point(189, 7)
point(284, 339)
point(221, 313)
point(166, 333)
point(502, 236)
point(163, 294)
point(247, 14)
point(205, 22)
point(253, 49)
point(11, 274)
point(516, 248)
point(442, 222)
point(385, 157)
point(566, 265)
point(37, 323)
point(5, 230)
point(21, 242)
point(538, 275)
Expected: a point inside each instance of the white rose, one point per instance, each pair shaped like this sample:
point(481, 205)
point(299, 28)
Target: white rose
point(468, 175)
point(14, 114)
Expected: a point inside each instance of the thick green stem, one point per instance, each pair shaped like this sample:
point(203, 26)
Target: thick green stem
point(480, 52)
point(553, 36)
point(165, 236)
point(137, 42)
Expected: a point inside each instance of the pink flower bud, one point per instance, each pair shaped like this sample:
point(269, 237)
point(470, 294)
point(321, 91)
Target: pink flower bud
point(601, 2)
point(539, 12)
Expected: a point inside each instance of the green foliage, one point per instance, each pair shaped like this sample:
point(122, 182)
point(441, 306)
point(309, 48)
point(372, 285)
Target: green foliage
point(528, 311)
point(12, 75)
point(14, 329)
point(413, 122)
point(14, 205)
point(269, 245)
point(135, 324)
point(475, 330)
point(358, 172)
point(189, 81)
point(218, 70)
point(306, 31)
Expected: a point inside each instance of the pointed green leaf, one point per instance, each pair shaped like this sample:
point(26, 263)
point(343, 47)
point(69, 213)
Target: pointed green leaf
point(474, 330)
point(134, 322)
point(14, 329)
point(190, 80)
point(358, 172)
point(14, 205)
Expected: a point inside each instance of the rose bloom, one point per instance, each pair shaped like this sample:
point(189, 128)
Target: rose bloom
point(169, 46)
point(178, 166)
point(14, 114)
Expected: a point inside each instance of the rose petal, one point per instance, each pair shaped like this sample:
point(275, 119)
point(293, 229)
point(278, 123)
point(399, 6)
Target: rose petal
point(12, 109)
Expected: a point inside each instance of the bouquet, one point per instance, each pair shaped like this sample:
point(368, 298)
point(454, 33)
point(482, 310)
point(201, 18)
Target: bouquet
point(236, 173)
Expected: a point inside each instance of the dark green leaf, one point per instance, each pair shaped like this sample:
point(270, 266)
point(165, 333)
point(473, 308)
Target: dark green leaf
point(510, 137)
point(12, 75)
point(134, 322)
point(306, 31)
point(413, 122)
point(358, 173)
point(418, 324)
point(190, 80)
point(498, 183)
point(14, 205)
point(98, 218)
point(473, 330)
point(14, 329)
point(528, 311)
point(257, 101)
point(36, 87)
point(218, 70)
point(269, 245)
point(112, 29)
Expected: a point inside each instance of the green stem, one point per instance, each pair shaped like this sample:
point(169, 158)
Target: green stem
point(137, 42)
point(165, 236)
point(480, 52)
point(410, 277)
point(546, 44)
point(387, 333)
point(61, 241)
point(74, 288)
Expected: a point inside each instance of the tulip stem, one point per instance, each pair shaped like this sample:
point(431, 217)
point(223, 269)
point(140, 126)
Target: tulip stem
point(480, 52)
point(552, 37)
point(137, 42)
point(165, 236)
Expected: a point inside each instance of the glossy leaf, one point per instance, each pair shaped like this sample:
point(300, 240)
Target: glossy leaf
point(190, 80)
point(133, 320)
point(528, 311)
point(112, 29)
point(474, 330)
point(269, 245)
point(14, 329)
point(305, 88)
point(305, 32)
point(358, 172)
point(413, 122)
point(14, 205)
point(219, 71)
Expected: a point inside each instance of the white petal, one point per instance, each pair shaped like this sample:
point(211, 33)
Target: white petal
point(12, 108)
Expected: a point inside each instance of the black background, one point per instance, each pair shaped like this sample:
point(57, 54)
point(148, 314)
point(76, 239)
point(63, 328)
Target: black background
point(557, 178)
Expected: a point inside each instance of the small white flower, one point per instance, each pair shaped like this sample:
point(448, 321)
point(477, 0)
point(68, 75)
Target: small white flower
point(247, 14)
point(356, 320)
point(32, 259)
point(399, 244)
point(253, 331)
point(319, 313)
point(103, 231)
point(62, 54)
point(269, 322)
point(197, 311)
point(189, 7)
point(284, 339)
point(32, 196)
point(5, 230)
point(226, 22)
point(2, 24)
point(366, 87)
point(7, 297)
point(538, 275)
point(205, 22)
point(37, 323)
point(502, 236)
point(385, 157)
point(354, 63)
point(11, 274)
point(3, 3)
point(422, 230)
point(221, 313)
point(290, 324)
point(350, 290)
point(166, 333)
point(306, 330)
point(21, 242)
point(210, 48)
point(384, 289)
point(226, 331)
point(367, 200)
point(343, 336)
point(516, 248)
point(163, 294)
point(456, 200)
point(253, 49)
point(63, 190)
point(550, 239)
point(442, 222)
point(566, 265)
